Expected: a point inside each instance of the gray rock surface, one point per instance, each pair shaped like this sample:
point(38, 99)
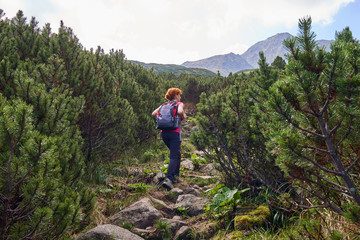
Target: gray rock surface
point(109, 231)
point(174, 224)
point(209, 169)
point(182, 233)
point(159, 177)
point(194, 204)
point(187, 164)
point(141, 214)
point(192, 191)
point(168, 208)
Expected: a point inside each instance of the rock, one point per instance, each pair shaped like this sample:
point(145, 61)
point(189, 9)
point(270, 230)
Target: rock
point(199, 153)
point(176, 217)
point(187, 164)
point(182, 233)
point(162, 206)
point(209, 169)
point(177, 191)
point(194, 204)
point(140, 214)
point(174, 224)
point(109, 231)
point(192, 191)
point(159, 177)
point(144, 232)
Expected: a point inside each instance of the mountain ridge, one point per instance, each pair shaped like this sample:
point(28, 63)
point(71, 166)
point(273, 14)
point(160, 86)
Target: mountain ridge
point(272, 47)
point(231, 62)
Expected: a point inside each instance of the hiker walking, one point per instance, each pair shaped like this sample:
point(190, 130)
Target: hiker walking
point(168, 120)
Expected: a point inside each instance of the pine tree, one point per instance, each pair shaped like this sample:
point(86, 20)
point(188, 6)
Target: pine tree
point(316, 132)
point(227, 135)
point(37, 201)
point(279, 63)
point(42, 195)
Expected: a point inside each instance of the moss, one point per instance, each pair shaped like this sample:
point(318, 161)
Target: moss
point(254, 218)
point(261, 210)
point(233, 235)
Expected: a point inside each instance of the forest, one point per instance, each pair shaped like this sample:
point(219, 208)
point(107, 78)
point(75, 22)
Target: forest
point(285, 135)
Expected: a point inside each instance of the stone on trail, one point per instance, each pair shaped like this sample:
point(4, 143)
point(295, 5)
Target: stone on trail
point(194, 205)
point(140, 214)
point(187, 164)
point(109, 231)
point(174, 224)
point(183, 233)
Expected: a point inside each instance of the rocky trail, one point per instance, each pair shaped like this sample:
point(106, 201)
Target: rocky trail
point(161, 214)
point(180, 211)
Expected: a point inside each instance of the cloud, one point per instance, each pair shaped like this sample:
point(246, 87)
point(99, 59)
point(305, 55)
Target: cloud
point(169, 31)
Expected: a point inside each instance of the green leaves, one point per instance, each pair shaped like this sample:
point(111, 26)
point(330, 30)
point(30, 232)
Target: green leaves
point(225, 200)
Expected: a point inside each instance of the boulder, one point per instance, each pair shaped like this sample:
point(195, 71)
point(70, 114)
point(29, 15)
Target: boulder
point(183, 233)
point(167, 208)
point(159, 177)
point(187, 164)
point(174, 224)
point(140, 214)
point(194, 205)
point(177, 191)
point(192, 191)
point(109, 231)
point(209, 169)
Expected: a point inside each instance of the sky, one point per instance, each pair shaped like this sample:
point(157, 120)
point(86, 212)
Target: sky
point(175, 31)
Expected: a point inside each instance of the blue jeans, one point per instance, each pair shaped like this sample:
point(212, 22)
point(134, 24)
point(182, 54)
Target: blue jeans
point(172, 141)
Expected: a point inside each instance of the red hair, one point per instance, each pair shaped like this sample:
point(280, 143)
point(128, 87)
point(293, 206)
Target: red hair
point(171, 92)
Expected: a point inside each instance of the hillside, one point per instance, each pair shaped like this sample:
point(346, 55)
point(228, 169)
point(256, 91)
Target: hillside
point(272, 47)
point(223, 63)
point(176, 69)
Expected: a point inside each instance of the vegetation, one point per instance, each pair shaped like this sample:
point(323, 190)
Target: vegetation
point(175, 69)
point(77, 123)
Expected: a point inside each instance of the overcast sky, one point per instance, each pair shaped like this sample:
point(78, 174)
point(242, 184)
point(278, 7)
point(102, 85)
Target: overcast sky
point(175, 31)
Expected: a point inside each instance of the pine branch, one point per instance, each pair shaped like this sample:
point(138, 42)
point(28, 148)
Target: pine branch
point(317, 149)
point(329, 97)
point(294, 124)
point(336, 127)
point(316, 164)
point(346, 134)
point(345, 190)
point(351, 165)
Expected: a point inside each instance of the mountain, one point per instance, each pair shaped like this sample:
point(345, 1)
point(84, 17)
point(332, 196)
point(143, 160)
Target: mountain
point(223, 63)
point(176, 69)
point(272, 47)
point(231, 62)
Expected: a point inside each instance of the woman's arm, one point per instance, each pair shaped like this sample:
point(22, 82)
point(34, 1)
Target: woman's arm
point(156, 112)
point(181, 112)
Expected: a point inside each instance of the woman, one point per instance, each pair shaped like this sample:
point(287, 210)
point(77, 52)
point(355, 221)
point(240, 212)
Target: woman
point(172, 138)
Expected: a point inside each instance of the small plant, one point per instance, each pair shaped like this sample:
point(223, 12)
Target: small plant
point(114, 187)
point(187, 147)
point(127, 225)
point(111, 207)
point(165, 166)
point(148, 155)
point(164, 229)
point(183, 211)
point(140, 187)
point(352, 212)
point(225, 200)
point(197, 161)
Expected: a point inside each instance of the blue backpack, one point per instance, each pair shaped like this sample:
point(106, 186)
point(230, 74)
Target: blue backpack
point(168, 118)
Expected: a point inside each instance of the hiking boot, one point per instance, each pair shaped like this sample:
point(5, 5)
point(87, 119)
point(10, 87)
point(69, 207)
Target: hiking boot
point(167, 184)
